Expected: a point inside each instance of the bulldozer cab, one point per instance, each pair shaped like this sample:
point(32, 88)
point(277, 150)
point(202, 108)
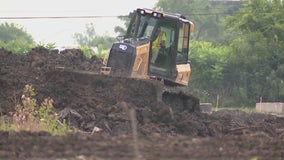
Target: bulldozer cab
point(172, 50)
point(160, 42)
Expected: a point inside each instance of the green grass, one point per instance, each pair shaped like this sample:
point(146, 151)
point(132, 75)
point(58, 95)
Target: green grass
point(242, 108)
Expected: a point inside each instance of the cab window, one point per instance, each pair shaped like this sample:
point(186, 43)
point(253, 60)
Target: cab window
point(183, 42)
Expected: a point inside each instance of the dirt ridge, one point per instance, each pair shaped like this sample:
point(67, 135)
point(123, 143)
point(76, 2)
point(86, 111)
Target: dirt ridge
point(104, 103)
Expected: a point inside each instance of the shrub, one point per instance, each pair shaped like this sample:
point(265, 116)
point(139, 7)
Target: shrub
point(30, 117)
point(15, 38)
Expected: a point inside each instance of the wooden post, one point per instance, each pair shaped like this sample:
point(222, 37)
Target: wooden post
point(260, 101)
point(217, 102)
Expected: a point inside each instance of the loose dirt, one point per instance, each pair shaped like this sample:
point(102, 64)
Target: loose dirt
point(88, 100)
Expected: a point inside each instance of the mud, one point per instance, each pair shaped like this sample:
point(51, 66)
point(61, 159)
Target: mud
point(88, 100)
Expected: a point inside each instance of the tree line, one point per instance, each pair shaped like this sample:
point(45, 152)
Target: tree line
point(236, 52)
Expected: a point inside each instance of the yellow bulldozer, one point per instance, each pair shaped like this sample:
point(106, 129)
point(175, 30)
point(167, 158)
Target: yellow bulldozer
point(155, 46)
point(144, 67)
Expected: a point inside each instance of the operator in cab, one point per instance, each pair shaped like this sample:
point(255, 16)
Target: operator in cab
point(158, 44)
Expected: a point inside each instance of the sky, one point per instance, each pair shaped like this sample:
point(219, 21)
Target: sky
point(61, 31)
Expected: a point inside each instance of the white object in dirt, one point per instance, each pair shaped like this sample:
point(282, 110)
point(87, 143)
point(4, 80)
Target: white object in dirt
point(206, 108)
point(271, 107)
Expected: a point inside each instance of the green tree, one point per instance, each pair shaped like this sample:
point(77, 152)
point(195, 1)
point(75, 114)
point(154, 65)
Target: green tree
point(14, 38)
point(207, 19)
point(89, 40)
point(122, 30)
point(207, 63)
point(256, 61)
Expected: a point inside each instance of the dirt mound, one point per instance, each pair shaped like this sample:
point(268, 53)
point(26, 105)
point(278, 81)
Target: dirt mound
point(43, 146)
point(88, 100)
point(16, 71)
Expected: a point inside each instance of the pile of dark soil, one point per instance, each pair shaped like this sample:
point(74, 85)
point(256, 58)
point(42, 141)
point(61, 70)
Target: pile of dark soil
point(88, 100)
point(16, 71)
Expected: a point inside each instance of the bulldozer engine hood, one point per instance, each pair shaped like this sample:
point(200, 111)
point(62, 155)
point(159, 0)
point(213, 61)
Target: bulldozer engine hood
point(124, 48)
point(122, 56)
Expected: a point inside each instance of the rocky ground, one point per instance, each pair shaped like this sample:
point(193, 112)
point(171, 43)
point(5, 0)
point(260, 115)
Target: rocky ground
point(132, 123)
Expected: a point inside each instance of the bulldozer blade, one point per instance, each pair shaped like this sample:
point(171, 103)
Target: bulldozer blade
point(96, 89)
